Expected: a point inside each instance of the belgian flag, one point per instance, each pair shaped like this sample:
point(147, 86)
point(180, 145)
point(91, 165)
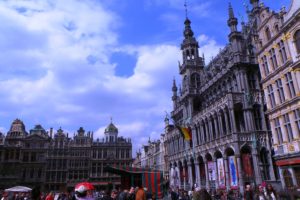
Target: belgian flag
point(185, 132)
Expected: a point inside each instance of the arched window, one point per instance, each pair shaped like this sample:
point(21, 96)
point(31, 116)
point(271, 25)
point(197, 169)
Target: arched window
point(276, 27)
point(195, 80)
point(287, 178)
point(268, 33)
point(297, 40)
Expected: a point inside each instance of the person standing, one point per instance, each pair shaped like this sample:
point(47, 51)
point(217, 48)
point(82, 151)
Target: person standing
point(270, 192)
point(248, 194)
point(50, 196)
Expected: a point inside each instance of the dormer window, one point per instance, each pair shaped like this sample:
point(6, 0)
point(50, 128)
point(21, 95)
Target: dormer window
point(268, 33)
point(297, 41)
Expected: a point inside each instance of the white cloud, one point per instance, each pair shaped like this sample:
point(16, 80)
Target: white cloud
point(209, 47)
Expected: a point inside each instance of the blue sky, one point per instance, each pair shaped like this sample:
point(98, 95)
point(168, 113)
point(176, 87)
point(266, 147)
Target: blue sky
point(78, 63)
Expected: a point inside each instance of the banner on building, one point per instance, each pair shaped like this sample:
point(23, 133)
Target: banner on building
point(221, 172)
point(211, 171)
point(247, 165)
point(233, 171)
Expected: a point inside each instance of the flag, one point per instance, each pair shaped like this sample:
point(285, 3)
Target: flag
point(185, 132)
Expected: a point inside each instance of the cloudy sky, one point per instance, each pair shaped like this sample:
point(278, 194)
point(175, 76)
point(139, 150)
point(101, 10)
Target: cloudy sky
point(68, 63)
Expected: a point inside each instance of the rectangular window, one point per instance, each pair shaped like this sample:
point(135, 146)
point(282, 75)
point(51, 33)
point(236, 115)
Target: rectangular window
point(290, 84)
point(297, 118)
point(288, 127)
point(280, 90)
point(282, 52)
point(265, 65)
point(252, 81)
point(278, 131)
point(273, 58)
point(271, 96)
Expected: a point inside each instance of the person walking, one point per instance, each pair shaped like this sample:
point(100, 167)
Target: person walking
point(140, 194)
point(270, 192)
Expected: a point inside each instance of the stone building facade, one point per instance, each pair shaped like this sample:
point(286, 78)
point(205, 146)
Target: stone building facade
point(278, 53)
point(56, 161)
point(223, 105)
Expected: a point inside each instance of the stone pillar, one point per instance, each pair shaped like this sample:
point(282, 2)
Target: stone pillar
point(293, 125)
point(258, 178)
point(202, 133)
point(216, 127)
point(226, 122)
point(190, 178)
point(216, 175)
point(232, 120)
point(207, 131)
point(268, 100)
point(206, 175)
point(227, 181)
point(197, 170)
point(291, 170)
point(210, 134)
point(281, 177)
point(240, 170)
point(220, 125)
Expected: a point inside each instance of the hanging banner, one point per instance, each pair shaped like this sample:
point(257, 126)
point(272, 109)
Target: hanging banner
point(247, 164)
point(221, 172)
point(233, 171)
point(211, 171)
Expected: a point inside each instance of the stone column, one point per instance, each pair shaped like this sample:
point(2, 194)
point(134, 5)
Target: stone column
point(197, 170)
point(206, 175)
point(210, 134)
point(226, 122)
point(240, 170)
point(220, 125)
point(190, 178)
point(227, 181)
point(216, 127)
point(281, 177)
point(258, 178)
point(179, 175)
point(216, 175)
point(293, 125)
point(232, 120)
point(202, 133)
point(291, 170)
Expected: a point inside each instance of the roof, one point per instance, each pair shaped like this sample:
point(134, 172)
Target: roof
point(111, 128)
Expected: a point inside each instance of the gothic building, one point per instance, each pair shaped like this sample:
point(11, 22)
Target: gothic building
point(56, 161)
point(278, 53)
point(222, 104)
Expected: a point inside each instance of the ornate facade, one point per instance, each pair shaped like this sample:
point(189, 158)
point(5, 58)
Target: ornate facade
point(56, 161)
point(278, 54)
point(222, 103)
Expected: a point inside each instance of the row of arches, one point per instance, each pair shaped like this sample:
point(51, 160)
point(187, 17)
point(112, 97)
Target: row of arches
point(221, 170)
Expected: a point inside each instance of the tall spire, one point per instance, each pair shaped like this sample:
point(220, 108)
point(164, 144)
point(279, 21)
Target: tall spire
point(232, 21)
point(231, 14)
point(186, 11)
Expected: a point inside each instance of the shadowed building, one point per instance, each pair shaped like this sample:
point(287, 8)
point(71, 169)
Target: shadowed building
point(56, 161)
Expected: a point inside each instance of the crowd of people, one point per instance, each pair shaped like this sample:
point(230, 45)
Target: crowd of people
point(83, 192)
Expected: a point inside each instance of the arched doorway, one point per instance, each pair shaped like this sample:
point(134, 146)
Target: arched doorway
point(247, 165)
point(202, 171)
point(221, 180)
point(193, 171)
point(211, 170)
point(263, 155)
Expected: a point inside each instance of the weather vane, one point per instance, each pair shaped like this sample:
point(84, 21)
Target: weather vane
point(186, 11)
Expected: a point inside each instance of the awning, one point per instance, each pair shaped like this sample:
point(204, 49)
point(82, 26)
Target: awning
point(18, 189)
point(123, 170)
point(290, 161)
